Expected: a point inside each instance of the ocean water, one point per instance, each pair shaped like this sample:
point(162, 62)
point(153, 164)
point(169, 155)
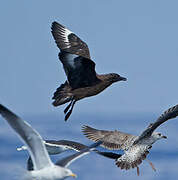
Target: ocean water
point(164, 154)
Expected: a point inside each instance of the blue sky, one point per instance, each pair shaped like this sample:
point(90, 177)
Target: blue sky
point(137, 39)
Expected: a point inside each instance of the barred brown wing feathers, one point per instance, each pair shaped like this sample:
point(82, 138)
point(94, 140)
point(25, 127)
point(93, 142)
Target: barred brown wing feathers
point(110, 139)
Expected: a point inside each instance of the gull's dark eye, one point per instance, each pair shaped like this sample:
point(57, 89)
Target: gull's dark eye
point(159, 134)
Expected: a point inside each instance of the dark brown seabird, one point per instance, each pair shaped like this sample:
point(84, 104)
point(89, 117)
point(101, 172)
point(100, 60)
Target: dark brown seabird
point(82, 79)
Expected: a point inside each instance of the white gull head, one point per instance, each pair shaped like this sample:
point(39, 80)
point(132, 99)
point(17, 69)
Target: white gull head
point(156, 136)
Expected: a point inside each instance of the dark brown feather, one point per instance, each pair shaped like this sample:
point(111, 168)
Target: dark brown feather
point(75, 44)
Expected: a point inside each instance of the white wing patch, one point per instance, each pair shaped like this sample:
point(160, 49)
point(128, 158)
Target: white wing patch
point(65, 33)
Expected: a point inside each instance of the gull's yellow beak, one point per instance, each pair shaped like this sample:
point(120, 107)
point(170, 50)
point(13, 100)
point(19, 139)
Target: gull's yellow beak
point(73, 175)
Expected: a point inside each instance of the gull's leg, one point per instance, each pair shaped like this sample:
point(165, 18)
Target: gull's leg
point(138, 171)
point(151, 164)
point(70, 111)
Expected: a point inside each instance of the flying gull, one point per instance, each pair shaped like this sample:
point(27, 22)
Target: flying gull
point(44, 169)
point(136, 148)
point(82, 79)
point(56, 147)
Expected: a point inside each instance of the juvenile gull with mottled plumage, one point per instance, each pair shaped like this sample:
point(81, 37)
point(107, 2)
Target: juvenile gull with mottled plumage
point(82, 79)
point(136, 148)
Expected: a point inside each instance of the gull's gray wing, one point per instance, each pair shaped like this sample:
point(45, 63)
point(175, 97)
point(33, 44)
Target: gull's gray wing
point(52, 144)
point(64, 144)
point(68, 160)
point(111, 139)
point(57, 147)
point(168, 114)
point(67, 41)
point(30, 137)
